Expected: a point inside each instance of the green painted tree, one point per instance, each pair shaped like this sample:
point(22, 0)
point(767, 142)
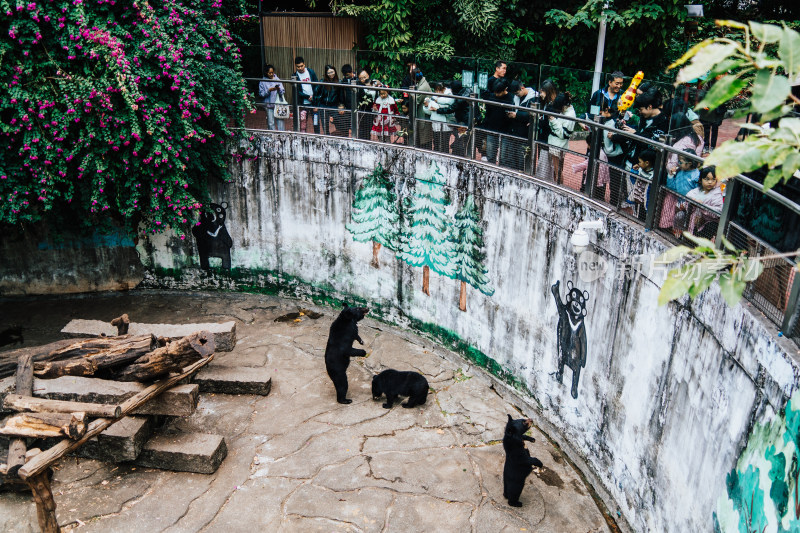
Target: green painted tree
point(427, 243)
point(468, 256)
point(744, 490)
point(375, 217)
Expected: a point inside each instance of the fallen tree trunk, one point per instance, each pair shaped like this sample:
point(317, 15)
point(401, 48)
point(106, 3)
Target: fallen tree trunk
point(85, 358)
point(44, 460)
point(44, 425)
point(15, 402)
point(170, 358)
point(9, 359)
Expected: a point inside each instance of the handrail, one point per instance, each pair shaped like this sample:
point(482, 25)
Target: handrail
point(592, 124)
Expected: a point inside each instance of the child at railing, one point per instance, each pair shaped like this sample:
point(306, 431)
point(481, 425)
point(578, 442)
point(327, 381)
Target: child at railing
point(709, 194)
point(341, 122)
point(384, 126)
point(683, 179)
point(638, 188)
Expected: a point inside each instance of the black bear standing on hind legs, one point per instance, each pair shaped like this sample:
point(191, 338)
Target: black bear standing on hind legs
point(519, 462)
point(339, 350)
point(571, 333)
point(212, 237)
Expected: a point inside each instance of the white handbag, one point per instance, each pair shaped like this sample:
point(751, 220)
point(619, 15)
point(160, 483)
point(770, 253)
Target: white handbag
point(281, 107)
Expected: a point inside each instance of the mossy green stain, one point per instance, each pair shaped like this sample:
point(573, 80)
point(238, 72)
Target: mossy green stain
point(274, 283)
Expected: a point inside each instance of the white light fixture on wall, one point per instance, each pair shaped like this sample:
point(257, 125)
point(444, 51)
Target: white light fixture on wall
point(580, 237)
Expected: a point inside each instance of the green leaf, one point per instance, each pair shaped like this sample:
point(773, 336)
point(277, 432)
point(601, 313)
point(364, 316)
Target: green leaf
point(749, 269)
point(774, 177)
point(723, 67)
point(699, 286)
point(766, 33)
point(704, 60)
point(684, 58)
point(791, 123)
point(728, 245)
point(790, 165)
point(731, 289)
point(789, 51)
point(700, 242)
point(673, 254)
point(673, 288)
point(770, 90)
point(722, 91)
point(730, 160)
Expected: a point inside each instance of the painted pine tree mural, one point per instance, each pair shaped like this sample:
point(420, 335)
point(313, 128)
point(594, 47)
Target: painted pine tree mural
point(375, 216)
point(427, 243)
point(468, 255)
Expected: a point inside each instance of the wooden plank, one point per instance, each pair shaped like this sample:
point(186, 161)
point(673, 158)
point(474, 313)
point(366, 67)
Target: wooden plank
point(45, 503)
point(16, 402)
point(24, 385)
point(42, 462)
point(42, 426)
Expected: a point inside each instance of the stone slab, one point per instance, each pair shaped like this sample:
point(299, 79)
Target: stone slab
point(121, 442)
point(234, 380)
point(224, 332)
point(201, 453)
point(180, 400)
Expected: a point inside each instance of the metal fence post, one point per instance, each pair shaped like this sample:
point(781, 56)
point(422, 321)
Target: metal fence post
point(412, 120)
point(353, 110)
point(530, 161)
point(792, 308)
point(295, 106)
point(594, 153)
point(471, 125)
point(732, 192)
point(533, 130)
point(655, 184)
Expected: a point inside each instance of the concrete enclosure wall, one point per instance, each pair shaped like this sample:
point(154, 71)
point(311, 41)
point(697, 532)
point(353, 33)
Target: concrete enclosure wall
point(667, 396)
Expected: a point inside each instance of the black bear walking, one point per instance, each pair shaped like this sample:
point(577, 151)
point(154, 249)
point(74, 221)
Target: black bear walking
point(519, 462)
point(394, 383)
point(339, 350)
point(212, 237)
point(571, 333)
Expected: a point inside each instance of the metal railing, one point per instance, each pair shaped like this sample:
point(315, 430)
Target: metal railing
point(644, 199)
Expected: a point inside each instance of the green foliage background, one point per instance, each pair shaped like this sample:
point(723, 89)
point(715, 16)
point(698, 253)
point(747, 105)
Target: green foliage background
point(115, 111)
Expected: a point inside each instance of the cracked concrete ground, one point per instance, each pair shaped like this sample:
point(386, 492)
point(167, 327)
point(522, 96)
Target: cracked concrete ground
point(299, 461)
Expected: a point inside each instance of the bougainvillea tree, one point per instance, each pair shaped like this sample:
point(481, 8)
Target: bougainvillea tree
point(115, 110)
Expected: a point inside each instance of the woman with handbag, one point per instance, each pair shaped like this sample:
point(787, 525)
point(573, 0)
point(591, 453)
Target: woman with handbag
point(272, 91)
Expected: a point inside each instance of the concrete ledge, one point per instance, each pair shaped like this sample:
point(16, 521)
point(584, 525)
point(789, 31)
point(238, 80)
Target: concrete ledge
point(201, 453)
point(224, 332)
point(234, 380)
point(121, 442)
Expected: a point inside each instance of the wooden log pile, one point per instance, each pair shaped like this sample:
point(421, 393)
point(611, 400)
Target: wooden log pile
point(123, 358)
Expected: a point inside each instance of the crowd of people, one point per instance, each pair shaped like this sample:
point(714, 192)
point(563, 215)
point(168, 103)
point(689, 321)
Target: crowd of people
point(503, 134)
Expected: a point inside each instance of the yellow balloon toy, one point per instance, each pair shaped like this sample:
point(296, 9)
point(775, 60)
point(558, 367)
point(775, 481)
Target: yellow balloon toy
point(627, 98)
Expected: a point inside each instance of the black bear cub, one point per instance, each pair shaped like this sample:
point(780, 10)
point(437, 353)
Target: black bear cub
point(519, 462)
point(339, 350)
point(394, 383)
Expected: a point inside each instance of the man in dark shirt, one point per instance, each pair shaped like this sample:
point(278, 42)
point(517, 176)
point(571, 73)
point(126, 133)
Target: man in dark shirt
point(498, 120)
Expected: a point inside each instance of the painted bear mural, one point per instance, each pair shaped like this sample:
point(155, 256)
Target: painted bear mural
point(571, 333)
point(212, 237)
